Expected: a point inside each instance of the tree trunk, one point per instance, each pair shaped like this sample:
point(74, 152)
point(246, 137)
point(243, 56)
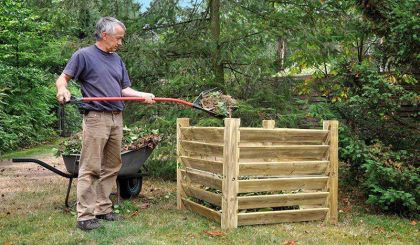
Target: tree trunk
point(217, 63)
point(281, 53)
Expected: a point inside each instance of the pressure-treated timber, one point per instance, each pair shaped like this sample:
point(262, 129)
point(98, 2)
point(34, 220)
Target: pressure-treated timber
point(204, 195)
point(282, 168)
point(200, 209)
point(271, 160)
point(230, 174)
point(180, 122)
point(279, 184)
point(332, 127)
point(209, 149)
point(272, 217)
point(282, 134)
point(289, 152)
point(202, 178)
point(281, 200)
point(204, 134)
point(203, 164)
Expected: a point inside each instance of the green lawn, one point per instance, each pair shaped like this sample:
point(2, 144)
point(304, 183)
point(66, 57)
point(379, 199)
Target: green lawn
point(39, 218)
point(32, 212)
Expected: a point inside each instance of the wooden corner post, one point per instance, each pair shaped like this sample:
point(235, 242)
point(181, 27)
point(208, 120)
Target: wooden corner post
point(180, 193)
point(332, 127)
point(230, 174)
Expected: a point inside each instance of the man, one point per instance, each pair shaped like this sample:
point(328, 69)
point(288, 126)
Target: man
point(101, 73)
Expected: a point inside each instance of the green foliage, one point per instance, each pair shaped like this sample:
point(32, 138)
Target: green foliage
point(28, 52)
point(397, 24)
point(27, 107)
point(125, 207)
point(389, 176)
point(392, 185)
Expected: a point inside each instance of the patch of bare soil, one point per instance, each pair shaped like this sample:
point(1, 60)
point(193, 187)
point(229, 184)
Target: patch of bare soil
point(18, 179)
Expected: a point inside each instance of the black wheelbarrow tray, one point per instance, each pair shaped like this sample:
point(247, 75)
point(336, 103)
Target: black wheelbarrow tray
point(130, 176)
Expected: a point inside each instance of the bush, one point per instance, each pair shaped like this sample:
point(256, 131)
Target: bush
point(27, 107)
point(388, 176)
point(392, 185)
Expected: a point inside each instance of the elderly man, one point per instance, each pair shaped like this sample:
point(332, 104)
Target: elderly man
point(101, 73)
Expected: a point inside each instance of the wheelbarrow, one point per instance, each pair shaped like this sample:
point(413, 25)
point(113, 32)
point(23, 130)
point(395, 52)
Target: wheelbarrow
point(129, 179)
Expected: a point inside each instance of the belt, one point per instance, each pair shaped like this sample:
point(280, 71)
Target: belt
point(105, 112)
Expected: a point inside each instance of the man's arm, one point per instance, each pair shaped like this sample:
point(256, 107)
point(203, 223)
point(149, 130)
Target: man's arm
point(129, 92)
point(63, 94)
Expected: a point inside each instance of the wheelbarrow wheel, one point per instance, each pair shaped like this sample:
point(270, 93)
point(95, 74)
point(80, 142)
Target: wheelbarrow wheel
point(130, 187)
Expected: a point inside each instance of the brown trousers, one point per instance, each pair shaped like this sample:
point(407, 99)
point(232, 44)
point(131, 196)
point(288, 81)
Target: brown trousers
point(100, 162)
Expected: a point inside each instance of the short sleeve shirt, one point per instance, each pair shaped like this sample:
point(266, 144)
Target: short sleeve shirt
point(100, 74)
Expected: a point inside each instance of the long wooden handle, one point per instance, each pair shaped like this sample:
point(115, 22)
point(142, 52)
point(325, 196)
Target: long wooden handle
point(157, 99)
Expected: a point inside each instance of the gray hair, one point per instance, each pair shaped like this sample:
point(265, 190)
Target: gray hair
point(106, 24)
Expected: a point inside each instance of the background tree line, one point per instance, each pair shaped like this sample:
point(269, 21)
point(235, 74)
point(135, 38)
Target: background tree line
point(363, 58)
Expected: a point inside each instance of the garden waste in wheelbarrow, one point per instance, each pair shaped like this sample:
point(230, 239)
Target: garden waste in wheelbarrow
point(130, 176)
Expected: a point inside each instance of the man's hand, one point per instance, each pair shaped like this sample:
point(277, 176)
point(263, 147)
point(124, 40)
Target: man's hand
point(148, 98)
point(63, 95)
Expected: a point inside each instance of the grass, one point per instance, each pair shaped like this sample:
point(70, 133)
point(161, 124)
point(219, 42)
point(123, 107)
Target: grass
point(32, 212)
point(37, 217)
point(35, 151)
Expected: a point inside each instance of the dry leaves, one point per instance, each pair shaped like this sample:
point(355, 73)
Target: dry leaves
point(289, 242)
point(144, 205)
point(150, 141)
point(218, 103)
point(214, 233)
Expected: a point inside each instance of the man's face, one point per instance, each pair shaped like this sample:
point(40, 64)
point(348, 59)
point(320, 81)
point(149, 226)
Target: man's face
point(114, 40)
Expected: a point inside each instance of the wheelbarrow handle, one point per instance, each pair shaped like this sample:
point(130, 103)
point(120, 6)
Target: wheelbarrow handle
point(45, 165)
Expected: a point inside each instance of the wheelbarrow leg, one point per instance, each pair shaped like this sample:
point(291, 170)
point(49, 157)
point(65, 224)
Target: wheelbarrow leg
point(68, 193)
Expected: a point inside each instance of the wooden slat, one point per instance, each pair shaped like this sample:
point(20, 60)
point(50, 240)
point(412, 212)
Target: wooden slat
point(204, 195)
point(200, 209)
point(202, 178)
point(206, 134)
point(277, 184)
point(284, 152)
point(202, 164)
point(282, 134)
point(273, 217)
point(282, 168)
point(202, 148)
point(281, 200)
point(253, 143)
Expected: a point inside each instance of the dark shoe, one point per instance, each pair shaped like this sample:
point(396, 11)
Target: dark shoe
point(109, 217)
point(88, 225)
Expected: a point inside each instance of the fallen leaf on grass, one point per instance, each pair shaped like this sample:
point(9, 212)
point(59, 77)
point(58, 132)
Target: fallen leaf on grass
point(413, 222)
point(289, 242)
point(135, 213)
point(380, 230)
point(214, 233)
point(144, 205)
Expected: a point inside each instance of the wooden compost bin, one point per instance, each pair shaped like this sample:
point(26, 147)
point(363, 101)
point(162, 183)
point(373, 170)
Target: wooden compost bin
point(243, 172)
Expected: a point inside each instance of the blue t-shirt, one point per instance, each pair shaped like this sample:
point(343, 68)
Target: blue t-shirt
point(100, 74)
